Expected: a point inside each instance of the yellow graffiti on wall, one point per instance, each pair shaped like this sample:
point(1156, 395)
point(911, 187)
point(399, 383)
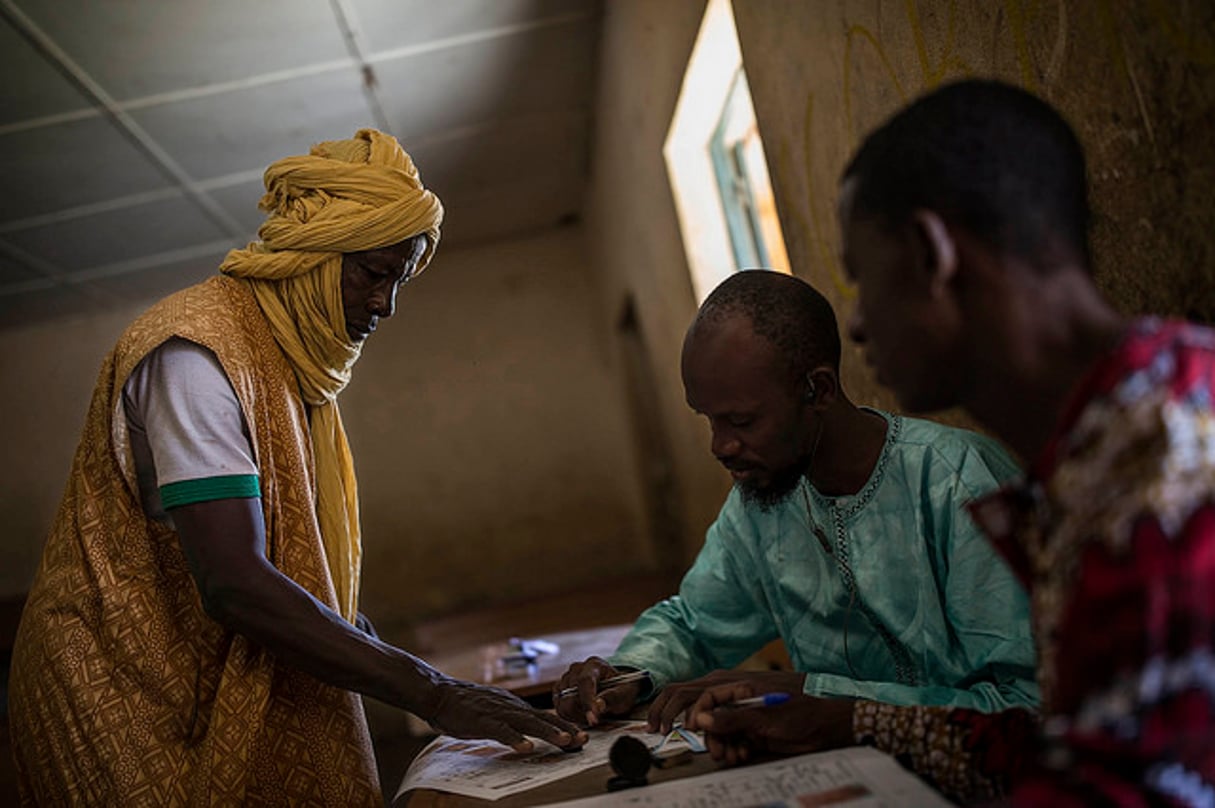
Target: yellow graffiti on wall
point(1031, 37)
point(932, 73)
point(815, 226)
point(1195, 42)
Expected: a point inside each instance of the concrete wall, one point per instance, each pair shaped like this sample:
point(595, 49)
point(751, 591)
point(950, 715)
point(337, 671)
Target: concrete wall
point(634, 232)
point(488, 426)
point(1136, 79)
point(490, 435)
point(47, 371)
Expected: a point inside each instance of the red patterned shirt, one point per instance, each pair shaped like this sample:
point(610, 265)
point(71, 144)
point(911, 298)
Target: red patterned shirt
point(1113, 533)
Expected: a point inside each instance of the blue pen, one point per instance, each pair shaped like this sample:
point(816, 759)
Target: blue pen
point(766, 700)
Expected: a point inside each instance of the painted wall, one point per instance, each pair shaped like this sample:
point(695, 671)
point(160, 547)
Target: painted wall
point(47, 370)
point(634, 232)
point(489, 432)
point(489, 429)
point(1136, 79)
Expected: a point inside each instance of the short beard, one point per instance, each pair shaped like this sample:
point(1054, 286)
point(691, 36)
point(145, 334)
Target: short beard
point(774, 493)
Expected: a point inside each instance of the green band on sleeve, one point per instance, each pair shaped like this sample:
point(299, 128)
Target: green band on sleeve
point(187, 492)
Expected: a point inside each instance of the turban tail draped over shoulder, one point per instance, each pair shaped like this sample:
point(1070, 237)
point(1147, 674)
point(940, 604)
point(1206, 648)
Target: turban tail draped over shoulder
point(345, 196)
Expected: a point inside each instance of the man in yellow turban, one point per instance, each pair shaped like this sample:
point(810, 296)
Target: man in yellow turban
point(192, 633)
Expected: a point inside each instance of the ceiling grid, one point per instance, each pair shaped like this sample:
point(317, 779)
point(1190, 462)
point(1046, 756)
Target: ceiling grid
point(133, 136)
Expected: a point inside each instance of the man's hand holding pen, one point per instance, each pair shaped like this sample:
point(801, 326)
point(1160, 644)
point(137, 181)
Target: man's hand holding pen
point(738, 726)
point(595, 688)
point(677, 698)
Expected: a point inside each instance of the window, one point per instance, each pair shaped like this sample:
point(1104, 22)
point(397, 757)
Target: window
point(743, 183)
point(716, 165)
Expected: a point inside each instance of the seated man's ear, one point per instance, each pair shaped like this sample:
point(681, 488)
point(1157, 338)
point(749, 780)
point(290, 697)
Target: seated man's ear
point(820, 387)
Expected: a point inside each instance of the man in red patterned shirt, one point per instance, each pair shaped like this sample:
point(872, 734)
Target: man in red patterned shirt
point(965, 226)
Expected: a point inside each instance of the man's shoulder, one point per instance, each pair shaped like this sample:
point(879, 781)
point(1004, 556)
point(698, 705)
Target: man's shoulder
point(1158, 364)
point(955, 446)
point(942, 437)
point(219, 305)
point(219, 314)
point(1175, 354)
point(1180, 335)
point(211, 296)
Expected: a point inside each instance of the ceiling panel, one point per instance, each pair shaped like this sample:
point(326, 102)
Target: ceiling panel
point(69, 164)
point(492, 97)
point(140, 47)
point(391, 24)
point(118, 235)
point(30, 87)
point(538, 71)
point(241, 203)
point(12, 271)
point(508, 151)
point(251, 128)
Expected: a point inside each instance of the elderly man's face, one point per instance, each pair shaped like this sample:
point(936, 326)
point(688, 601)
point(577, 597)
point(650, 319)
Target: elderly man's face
point(370, 280)
point(907, 334)
point(761, 424)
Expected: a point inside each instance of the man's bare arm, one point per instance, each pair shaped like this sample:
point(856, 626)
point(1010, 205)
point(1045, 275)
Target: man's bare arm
point(225, 547)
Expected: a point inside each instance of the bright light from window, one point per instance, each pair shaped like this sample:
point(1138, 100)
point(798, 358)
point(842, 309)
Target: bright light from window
point(727, 210)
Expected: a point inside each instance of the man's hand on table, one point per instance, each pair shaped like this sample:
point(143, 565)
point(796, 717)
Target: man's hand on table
point(467, 710)
point(589, 703)
point(802, 724)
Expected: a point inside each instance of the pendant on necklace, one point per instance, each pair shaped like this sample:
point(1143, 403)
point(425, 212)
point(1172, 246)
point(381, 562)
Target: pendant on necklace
point(822, 539)
point(815, 528)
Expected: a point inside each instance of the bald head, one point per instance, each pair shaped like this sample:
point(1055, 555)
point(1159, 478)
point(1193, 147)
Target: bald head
point(785, 311)
point(747, 365)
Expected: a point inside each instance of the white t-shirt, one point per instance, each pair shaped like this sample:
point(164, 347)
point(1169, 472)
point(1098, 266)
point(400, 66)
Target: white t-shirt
point(188, 433)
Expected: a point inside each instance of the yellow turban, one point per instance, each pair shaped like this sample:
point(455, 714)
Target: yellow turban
point(344, 196)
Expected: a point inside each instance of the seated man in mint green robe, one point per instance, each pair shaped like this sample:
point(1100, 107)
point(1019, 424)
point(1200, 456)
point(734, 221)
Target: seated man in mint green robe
point(845, 536)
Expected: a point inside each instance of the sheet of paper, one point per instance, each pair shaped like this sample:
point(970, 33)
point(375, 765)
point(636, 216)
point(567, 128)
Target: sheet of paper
point(859, 777)
point(488, 770)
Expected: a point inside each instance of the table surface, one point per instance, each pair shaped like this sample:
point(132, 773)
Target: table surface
point(483, 664)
